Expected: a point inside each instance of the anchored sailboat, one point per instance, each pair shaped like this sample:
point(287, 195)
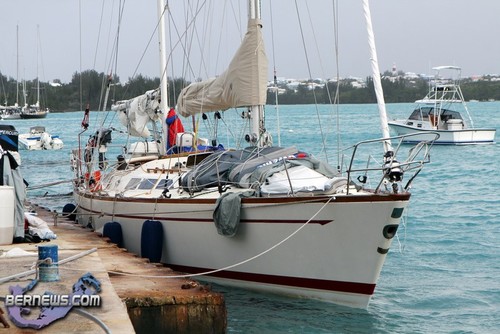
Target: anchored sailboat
point(274, 219)
point(14, 111)
point(35, 110)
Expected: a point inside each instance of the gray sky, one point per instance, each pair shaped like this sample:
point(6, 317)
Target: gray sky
point(413, 34)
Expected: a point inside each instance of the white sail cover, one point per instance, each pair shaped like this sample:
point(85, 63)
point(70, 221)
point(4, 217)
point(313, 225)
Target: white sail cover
point(244, 83)
point(137, 112)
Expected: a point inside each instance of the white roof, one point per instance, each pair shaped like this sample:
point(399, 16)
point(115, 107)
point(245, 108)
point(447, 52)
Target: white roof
point(447, 67)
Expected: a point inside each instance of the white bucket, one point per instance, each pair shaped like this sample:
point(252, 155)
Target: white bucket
point(7, 200)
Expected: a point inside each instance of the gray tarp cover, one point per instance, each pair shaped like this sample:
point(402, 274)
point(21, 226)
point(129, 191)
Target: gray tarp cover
point(247, 168)
point(243, 168)
point(227, 212)
point(11, 176)
point(216, 169)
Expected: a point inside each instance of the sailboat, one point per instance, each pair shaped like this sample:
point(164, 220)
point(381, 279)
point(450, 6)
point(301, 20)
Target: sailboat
point(444, 111)
point(10, 112)
point(267, 218)
point(35, 110)
point(13, 112)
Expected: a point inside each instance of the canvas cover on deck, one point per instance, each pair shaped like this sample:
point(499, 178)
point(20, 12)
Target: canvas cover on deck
point(271, 170)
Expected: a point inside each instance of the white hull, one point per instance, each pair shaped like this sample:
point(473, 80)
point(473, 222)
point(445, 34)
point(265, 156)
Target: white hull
point(29, 142)
point(10, 116)
point(337, 257)
point(33, 114)
point(446, 137)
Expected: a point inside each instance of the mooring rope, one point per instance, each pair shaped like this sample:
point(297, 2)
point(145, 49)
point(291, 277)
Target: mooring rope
point(224, 268)
point(40, 186)
point(32, 271)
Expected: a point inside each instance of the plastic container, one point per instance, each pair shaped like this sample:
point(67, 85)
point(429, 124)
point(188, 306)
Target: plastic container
point(7, 202)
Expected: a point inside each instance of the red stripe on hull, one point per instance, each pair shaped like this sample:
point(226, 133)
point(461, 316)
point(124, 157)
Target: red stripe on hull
point(309, 283)
point(177, 219)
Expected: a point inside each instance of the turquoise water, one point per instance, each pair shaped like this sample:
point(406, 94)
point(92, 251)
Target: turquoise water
point(442, 275)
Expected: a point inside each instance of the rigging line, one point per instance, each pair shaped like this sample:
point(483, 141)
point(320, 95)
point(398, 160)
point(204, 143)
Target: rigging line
point(220, 36)
point(106, 79)
point(190, 24)
point(80, 31)
point(323, 135)
point(112, 68)
point(117, 41)
point(229, 266)
point(404, 219)
point(99, 33)
point(184, 36)
point(201, 42)
point(32, 271)
point(310, 74)
point(275, 79)
point(337, 89)
point(49, 184)
point(237, 14)
point(41, 61)
point(228, 128)
point(3, 87)
point(153, 34)
point(243, 130)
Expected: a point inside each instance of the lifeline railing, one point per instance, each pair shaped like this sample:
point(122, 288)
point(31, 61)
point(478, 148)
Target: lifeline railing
point(391, 169)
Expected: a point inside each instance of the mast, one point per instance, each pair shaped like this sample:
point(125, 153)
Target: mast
point(258, 135)
point(163, 73)
point(17, 66)
point(376, 77)
point(37, 77)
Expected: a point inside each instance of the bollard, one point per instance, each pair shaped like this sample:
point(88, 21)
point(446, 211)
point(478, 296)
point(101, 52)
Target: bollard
point(48, 270)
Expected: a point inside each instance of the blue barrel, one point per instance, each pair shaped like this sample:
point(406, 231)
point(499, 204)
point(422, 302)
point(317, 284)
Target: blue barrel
point(113, 231)
point(69, 210)
point(48, 269)
point(152, 240)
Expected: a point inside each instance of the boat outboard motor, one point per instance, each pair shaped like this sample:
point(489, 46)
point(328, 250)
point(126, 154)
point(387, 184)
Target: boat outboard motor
point(46, 141)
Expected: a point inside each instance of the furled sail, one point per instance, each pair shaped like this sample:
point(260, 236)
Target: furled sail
point(137, 112)
point(244, 83)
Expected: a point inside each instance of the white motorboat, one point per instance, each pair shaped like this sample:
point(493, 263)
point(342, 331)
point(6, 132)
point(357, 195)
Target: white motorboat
point(443, 111)
point(39, 139)
point(10, 112)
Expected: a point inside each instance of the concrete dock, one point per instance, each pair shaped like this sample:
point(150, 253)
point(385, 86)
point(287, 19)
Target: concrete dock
point(131, 303)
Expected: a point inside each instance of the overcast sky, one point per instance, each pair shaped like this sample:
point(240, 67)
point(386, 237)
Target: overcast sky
point(415, 35)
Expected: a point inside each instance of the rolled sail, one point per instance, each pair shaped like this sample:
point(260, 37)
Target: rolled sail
point(137, 112)
point(244, 83)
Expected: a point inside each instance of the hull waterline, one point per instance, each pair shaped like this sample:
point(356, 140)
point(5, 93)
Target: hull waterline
point(446, 137)
point(336, 257)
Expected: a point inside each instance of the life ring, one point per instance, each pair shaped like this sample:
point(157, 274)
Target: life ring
point(94, 181)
